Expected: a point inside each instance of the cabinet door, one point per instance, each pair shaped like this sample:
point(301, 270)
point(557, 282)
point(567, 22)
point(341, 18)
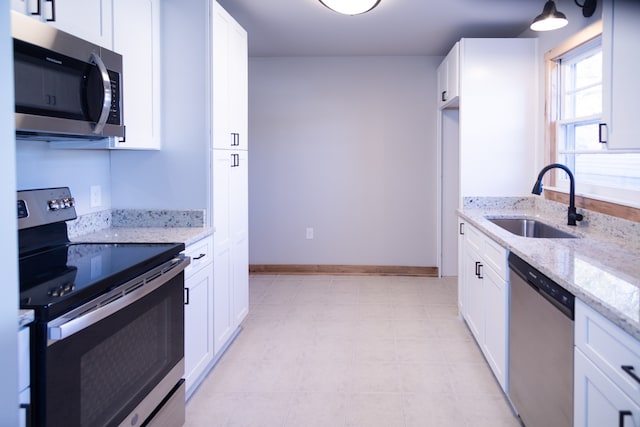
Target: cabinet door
point(136, 36)
point(87, 19)
point(620, 59)
point(220, 22)
point(198, 325)
point(222, 247)
point(461, 270)
point(442, 82)
point(474, 304)
point(238, 84)
point(239, 221)
point(597, 400)
point(448, 73)
point(496, 323)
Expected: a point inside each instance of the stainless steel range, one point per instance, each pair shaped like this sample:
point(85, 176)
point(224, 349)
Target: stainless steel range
point(108, 339)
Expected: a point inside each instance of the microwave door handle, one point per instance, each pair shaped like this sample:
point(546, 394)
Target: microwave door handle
point(106, 85)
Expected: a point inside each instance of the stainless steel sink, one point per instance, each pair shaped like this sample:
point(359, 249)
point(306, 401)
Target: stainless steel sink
point(530, 228)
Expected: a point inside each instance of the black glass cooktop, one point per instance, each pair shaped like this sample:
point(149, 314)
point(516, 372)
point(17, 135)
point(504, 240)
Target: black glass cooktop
point(56, 280)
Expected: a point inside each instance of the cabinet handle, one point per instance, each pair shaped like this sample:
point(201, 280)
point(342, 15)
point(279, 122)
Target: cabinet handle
point(28, 415)
point(235, 139)
point(444, 95)
point(630, 371)
point(53, 11)
point(461, 231)
point(479, 270)
point(186, 296)
point(199, 257)
point(38, 10)
point(601, 139)
point(621, 415)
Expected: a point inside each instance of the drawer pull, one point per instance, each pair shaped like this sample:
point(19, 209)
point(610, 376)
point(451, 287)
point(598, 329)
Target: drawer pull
point(199, 257)
point(623, 414)
point(630, 371)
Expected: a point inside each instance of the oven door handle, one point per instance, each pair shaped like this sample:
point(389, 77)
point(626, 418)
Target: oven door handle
point(92, 312)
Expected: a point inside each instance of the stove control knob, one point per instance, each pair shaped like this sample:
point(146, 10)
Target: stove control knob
point(62, 290)
point(54, 204)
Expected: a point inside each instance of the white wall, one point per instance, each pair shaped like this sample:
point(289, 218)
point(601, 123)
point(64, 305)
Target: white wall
point(176, 176)
point(39, 166)
point(8, 227)
point(346, 145)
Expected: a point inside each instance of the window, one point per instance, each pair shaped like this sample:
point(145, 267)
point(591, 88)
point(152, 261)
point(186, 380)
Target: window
point(575, 92)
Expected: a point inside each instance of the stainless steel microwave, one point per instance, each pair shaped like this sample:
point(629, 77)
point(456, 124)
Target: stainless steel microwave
point(65, 87)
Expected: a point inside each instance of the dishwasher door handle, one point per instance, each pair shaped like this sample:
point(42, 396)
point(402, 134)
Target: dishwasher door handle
point(630, 371)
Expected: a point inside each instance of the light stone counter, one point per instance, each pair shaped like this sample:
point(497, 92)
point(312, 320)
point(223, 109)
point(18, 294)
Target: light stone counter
point(140, 226)
point(25, 317)
point(601, 267)
point(186, 235)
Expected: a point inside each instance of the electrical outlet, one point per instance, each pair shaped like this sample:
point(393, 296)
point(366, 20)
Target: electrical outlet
point(309, 233)
point(96, 196)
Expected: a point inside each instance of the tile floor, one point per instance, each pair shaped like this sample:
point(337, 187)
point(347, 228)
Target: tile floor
point(351, 351)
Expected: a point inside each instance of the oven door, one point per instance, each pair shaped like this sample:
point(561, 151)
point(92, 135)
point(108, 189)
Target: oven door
point(99, 370)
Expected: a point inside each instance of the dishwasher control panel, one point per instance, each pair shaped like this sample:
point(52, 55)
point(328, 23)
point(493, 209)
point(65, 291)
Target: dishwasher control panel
point(543, 284)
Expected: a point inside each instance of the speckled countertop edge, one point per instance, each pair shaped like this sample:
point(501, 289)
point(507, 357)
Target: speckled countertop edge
point(603, 273)
point(186, 235)
point(25, 317)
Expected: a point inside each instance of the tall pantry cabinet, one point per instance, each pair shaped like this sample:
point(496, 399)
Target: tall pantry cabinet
point(230, 174)
point(487, 110)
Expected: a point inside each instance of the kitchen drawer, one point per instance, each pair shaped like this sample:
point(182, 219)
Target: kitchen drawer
point(201, 253)
point(23, 359)
point(609, 348)
point(496, 257)
point(474, 237)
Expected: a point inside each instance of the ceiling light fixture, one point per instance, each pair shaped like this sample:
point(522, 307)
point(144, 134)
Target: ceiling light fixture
point(350, 7)
point(549, 19)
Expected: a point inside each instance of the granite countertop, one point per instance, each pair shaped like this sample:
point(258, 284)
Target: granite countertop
point(25, 317)
point(601, 267)
point(186, 235)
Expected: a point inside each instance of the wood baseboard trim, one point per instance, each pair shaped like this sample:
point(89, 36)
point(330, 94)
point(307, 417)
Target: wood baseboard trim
point(344, 270)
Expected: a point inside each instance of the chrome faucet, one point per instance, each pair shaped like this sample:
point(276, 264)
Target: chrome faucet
point(572, 216)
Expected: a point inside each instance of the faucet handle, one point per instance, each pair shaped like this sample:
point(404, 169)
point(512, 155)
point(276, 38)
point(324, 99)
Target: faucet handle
point(573, 216)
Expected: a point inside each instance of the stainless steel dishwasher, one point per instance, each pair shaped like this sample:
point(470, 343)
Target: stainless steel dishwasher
point(540, 347)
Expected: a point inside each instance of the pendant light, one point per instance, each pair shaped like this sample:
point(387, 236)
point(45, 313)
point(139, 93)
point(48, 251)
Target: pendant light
point(350, 7)
point(549, 19)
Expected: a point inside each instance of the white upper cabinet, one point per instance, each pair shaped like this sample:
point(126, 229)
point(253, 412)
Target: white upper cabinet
point(229, 81)
point(136, 36)
point(621, 57)
point(448, 78)
point(88, 19)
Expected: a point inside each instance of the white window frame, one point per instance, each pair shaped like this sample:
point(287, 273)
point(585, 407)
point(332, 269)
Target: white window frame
point(618, 196)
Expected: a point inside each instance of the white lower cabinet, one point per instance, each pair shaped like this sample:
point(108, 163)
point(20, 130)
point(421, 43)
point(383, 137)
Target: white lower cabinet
point(597, 400)
point(24, 377)
point(198, 312)
point(231, 243)
point(484, 292)
point(606, 372)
